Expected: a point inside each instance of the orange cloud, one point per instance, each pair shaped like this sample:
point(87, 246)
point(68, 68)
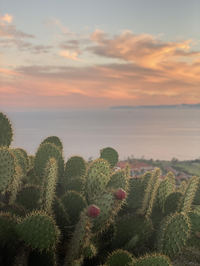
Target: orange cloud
point(69, 55)
point(141, 49)
point(6, 18)
point(148, 71)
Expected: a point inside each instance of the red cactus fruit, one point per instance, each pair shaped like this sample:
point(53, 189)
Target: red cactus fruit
point(93, 211)
point(120, 194)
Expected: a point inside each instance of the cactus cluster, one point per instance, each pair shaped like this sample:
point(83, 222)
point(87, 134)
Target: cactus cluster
point(59, 213)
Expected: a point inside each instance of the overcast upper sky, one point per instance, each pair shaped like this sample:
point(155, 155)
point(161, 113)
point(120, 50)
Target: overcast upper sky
point(99, 53)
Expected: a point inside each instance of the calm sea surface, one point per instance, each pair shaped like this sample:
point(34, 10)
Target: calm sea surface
point(152, 133)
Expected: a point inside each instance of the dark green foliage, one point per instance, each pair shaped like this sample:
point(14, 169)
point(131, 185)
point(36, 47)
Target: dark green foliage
point(132, 232)
point(44, 258)
point(54, 140)
point(8, 234)
point(196, 200)
point(136, 193)
point(38, 231)
point(153, 260)
point(61, 216)
point(75, 167)
point(49, 184)
point(173, 234)
point(29, 197)
point(21, 158)
point(120, 258)
point(14, 209)
point(7, 168)
point(76, 184)
point(172, 203)
point(97, 178)
point(6, 133)
point(110, 155)
point(194, 239)
point(118, 180)
point(189, 194)
point(73, 203)
point(44, 153)
point(188, 256)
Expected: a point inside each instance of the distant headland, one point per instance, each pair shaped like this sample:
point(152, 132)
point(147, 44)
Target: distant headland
point(179, 106)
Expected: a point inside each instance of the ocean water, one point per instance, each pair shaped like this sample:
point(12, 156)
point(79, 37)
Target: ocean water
point(149, 133)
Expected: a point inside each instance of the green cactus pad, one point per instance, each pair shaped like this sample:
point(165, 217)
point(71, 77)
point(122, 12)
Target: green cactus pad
point(73, 203)
point(173, 234)
point(8, 234)
point(54, 140)
point(132, 232)
point(153, 260)
point(97, 178)
point(110, 155)
point(75, 167)
point(76, 184)
point(21, 158)
point(44, 153)
point(6, 133)
point(29, 197)
point(118, 180)
point(136, 193)
point(120, 258)
point(61, 216)
point(38, 230)
point(49, 184)
point(189, 194)
point(166, 187)
point(172, 203)
point(7, 168)
point(194, 239)
point(80, 239)
point(90, 251)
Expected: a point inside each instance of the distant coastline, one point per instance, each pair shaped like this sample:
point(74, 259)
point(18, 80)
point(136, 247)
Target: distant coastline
point(179, 106)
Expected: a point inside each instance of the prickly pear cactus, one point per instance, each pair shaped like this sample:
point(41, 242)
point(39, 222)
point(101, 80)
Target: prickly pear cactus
point(6, 132)
point(173, 234)
point(73, 203)
point(49, 184)
point(54, 140)
point(43, 154)
point(172, 203)
point(189, 194)
point(120, 257)
point(39, 231)
point(150, 193)
point(166, 187)
point(132, 232)
point(8, 234)
point(29, 197)
point(110, 155)
point(80, 239)
point(7, 168)
point(194, 239)
point(153, 260)
point(75, 167)
point(98, 176)
point(118, 180)
point(21, 158)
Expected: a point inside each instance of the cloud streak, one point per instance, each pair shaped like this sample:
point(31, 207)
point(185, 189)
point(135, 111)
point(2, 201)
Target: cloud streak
point(148, 71)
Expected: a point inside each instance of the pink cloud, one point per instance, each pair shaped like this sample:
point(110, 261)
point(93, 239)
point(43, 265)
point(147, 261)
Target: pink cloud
point(149, 71)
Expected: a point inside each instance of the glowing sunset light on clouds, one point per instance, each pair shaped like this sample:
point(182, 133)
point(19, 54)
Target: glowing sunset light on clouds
point(99, 53)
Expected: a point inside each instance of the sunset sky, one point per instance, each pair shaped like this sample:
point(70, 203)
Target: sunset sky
point(99, 53)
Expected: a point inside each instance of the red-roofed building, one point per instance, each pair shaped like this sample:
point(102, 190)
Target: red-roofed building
point(136, 168)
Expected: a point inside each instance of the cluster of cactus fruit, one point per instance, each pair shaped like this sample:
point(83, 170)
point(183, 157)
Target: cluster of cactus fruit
point(72, 213)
